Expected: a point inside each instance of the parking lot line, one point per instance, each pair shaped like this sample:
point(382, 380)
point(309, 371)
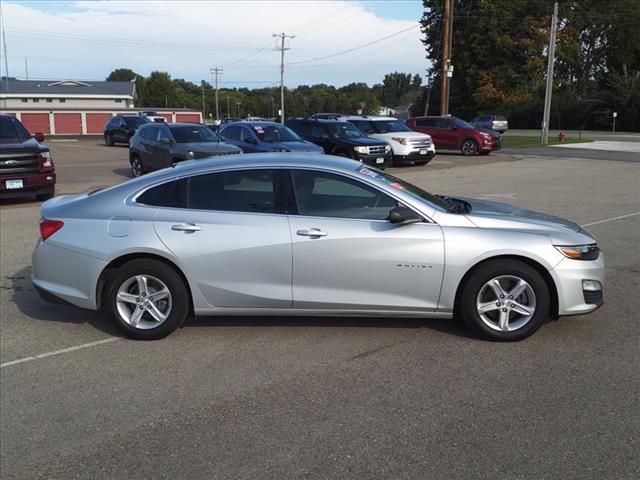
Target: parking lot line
point(58, 352)
point(620, 217)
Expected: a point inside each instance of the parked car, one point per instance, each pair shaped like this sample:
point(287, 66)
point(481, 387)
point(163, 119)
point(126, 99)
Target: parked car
point(497, 123)
point(265, 137)
point(160, 145)
point(229, 120)
point(407, 146)
point(327, 116)
point(121, 128)
point(26, 166)
point(254, 119)
point(152, 116)
point(452, 133)
point(343, 139)
point(301, 234)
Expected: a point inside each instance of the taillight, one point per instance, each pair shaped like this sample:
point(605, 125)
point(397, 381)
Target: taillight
point(49, 227)
point(46, 162)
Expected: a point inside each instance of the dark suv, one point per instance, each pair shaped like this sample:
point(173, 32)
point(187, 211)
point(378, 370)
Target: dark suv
point(343, 139)
point(160, 145)
point(452, 133)
point(26, 166)
point(121, 128)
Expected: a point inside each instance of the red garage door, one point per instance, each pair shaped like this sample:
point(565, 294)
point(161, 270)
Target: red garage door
point(188, 117)
point(166, 116)
point(36, 122)
point(96, 121)
point(68, 123)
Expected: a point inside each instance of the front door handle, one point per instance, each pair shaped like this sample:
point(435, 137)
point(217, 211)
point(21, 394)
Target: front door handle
point(312, 232)
point(186, 228)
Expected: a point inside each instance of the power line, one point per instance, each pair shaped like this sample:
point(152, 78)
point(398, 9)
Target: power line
point(316, 59)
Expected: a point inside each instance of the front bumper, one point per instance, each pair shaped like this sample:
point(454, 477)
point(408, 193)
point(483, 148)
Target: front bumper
point(414, 157)
point(32, 184)
point(569, 275)
point(374, 160)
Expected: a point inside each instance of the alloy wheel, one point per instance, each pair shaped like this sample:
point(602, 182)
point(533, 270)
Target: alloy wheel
point(136, 167)
point(469, 147)
point(143, 302)
point(506, 303)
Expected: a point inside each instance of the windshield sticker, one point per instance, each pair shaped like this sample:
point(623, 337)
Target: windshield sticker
point(370, 173)
point(397, 185)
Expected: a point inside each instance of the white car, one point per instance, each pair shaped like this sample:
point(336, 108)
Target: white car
point(407, 146)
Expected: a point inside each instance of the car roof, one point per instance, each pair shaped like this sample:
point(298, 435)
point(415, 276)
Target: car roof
point(244, 123)
point(318, 120)
point(368, 117)
point(176, 124)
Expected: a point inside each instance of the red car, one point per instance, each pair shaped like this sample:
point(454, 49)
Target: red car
point(452, 133)
point(26, 166)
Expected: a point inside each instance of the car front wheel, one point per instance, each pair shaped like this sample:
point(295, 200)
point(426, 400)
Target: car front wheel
point(148, 299)
point(469, 147)
point(108, 140)
point(136, 166)
point(504, 300)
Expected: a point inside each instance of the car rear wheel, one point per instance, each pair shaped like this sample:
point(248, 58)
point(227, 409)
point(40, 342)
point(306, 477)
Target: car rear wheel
point(504, 300)
point(148, 299)
point(108, 140)
point(469, 147)
point(136, 166)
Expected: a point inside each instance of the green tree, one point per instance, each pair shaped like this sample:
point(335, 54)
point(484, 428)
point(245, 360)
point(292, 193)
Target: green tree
point(160, 91)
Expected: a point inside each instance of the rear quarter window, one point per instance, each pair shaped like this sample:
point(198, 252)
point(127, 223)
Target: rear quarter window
point(172, 194)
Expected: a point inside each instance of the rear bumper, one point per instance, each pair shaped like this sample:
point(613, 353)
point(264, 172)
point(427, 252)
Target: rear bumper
point(32, 184)
point(62, 274)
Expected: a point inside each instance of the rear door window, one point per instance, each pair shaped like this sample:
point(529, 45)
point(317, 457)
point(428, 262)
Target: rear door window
point(232, 133)
point(238, 191)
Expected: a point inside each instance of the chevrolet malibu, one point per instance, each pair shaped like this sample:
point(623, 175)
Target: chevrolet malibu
point(305, 234)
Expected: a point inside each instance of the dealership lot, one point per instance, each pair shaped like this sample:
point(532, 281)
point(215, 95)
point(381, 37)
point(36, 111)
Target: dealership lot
point(332, 398)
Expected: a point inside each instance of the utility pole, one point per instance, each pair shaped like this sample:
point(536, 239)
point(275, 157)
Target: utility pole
point(4, 41)
point(282, 48)
point(215, 72)
point(26, 69)
point(547, 97)
point(204, 113)
point(447, 47)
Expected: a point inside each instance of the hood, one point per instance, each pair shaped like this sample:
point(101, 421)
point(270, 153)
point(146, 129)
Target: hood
point(302, 146)
point(488, 214)
point(495, 135)
point(389, 135)
point(24, 144)
point(210, 147)
point(366, 141)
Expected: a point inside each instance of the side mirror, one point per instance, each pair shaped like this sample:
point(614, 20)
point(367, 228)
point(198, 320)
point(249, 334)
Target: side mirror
point(165, 140)
point(250, 140)
point(39, 136)
point(403, 216)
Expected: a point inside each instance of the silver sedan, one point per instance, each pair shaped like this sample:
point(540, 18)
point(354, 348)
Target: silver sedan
point(299, 234)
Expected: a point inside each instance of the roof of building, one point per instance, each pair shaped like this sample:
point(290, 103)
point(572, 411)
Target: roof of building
point(66, 87)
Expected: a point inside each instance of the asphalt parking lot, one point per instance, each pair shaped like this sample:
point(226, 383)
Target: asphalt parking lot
point(279, 398)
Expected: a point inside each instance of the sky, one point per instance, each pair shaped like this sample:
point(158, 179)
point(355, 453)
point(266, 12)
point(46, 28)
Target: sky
point(86, 40)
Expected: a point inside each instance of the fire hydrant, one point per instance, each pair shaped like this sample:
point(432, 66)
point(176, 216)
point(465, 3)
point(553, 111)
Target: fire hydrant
point(562, 137)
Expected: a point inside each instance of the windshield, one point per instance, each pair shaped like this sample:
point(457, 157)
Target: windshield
point(388, 126)
point(399, 184)
point(193, 133)
point(10, 127)
point(344, 131)
point(135, 122)
point(275, 133)
point(462, 123)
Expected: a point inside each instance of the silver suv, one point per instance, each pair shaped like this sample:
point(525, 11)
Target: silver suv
point(497, 123)
point(407, 146)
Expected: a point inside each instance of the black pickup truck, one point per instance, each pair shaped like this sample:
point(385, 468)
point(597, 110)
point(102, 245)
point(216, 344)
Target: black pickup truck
point(26, 166)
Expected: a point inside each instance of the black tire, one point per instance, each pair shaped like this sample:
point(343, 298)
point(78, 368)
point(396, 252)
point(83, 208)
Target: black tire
point(471, 291)
point(108, 140)
point(43, 197)
point(469, 147)
point(180, 300)
point(137, 169)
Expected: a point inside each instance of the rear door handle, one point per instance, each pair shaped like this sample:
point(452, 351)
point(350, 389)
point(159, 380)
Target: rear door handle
point(312, 232)
point(186, 228)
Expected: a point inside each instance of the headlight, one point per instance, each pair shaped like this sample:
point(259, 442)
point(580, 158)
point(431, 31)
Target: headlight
point(361, 149)
point(387, 148)
point(46, 159)
point(400, 140)
point(579, 252)
point(190, 155)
